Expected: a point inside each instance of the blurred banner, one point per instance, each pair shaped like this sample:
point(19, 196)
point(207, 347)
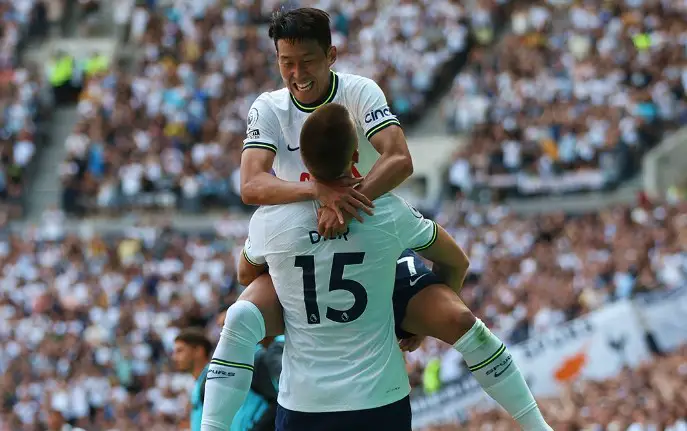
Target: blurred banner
point(664, 315)
point(596, 346)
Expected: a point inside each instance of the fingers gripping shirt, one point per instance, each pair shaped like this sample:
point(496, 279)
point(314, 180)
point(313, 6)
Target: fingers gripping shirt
point(275, 120)
point(336, 294)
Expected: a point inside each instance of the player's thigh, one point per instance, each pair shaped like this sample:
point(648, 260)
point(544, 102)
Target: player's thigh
point(261, 293)
point(438, 312)
point(396, 416)
point(412, 276)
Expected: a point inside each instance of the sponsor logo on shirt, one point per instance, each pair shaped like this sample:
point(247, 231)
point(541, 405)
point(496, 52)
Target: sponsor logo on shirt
point(377, 114)
point(254, 134)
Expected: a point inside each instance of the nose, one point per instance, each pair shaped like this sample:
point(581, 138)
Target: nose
point(298, 71)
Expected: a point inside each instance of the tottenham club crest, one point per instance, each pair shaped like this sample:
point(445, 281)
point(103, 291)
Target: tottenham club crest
point(252, 117)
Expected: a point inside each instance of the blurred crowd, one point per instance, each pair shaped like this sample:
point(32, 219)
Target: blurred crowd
point(87, 322)
point(21, 105)
point(169, 135)
point(651, 397)
point(571, 97)
point(570, 100)
point(97, 315)
point(529, 274)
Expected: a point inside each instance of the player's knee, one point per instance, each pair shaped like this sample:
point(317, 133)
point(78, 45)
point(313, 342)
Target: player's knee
point(460, 318)
point(261, 293)
point(454, 320)
point(244, 323)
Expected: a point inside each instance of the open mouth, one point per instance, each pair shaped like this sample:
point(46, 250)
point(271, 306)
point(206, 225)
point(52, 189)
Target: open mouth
point(305, 86)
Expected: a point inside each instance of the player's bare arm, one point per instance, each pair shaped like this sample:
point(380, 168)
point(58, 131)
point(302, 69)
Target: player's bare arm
point(260, 187)
point(392, 168)
point(450, 261)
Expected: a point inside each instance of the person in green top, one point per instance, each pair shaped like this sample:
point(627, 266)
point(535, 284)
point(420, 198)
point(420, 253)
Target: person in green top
point(192, 354)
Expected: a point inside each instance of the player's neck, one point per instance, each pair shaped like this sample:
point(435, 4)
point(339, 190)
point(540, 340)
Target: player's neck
point(198, 369)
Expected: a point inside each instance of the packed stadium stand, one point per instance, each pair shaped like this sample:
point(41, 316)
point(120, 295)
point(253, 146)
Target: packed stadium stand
point(550, 97)
point(186, 116)
point(23, 104)
point(571, 99)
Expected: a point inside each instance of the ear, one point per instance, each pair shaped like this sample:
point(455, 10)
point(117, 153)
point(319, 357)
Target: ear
point(331, 56)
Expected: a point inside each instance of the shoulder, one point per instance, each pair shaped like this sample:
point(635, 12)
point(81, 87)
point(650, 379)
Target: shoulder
point(356, 85)
point(353, 81)
point(395, 208)
point(386, 211)
point(271, 103)
point(274, 98)
point(278, 220)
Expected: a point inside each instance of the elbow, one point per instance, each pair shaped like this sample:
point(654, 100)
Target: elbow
point(250, 195)
point(466, 267)
point(405, 165)
point(243, 278)
point(465, 261)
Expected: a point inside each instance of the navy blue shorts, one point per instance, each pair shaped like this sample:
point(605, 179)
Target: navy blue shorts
point(395, 416)
point(412, 275)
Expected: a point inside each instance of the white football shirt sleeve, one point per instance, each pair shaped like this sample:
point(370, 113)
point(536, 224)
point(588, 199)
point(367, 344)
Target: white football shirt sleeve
point(254, 249)
point(372, 111)
point(263, 128)
point(413, 230)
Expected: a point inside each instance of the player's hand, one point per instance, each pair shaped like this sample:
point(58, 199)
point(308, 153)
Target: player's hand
point(342, 197)
point(411, 344)
point(328, 223)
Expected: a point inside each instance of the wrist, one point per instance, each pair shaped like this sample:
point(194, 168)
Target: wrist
point(311, 191)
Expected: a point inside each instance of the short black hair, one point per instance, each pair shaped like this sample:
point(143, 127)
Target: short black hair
point(306, 23)
point(195, 337)
point(328, 141)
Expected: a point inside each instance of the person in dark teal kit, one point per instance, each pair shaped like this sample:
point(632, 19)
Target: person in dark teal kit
point(192, 354)
point(259, 410)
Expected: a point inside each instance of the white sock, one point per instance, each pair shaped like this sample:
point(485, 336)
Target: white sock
point(231, 368)
point(493, 367)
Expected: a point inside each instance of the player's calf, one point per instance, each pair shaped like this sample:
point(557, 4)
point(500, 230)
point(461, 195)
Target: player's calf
point(438, 312)
point(231, 368)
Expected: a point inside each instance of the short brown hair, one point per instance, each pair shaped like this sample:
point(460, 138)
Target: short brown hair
point(195, 337)
point(328, 141)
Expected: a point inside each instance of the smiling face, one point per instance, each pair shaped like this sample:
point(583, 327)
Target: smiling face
point(304, 67)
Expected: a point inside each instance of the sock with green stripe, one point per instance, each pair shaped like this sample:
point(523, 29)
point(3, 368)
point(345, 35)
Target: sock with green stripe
point(231, 368)
point(493, 367)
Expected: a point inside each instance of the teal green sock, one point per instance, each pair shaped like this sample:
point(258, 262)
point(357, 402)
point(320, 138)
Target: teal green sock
point(493, 367)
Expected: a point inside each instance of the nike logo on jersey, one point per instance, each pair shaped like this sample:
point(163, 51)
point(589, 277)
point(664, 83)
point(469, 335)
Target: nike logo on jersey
point(414, 282)
point(288, 147)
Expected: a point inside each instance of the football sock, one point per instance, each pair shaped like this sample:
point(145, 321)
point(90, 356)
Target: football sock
point(231, 368)
point(493, 367)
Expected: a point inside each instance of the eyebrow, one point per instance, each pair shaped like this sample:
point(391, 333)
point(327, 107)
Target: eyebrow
point(290, 57)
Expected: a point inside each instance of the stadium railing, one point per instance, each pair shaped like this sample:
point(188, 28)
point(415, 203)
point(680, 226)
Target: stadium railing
point(665, 166)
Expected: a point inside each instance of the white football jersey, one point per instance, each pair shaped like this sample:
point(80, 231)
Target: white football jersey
point(275, 120)
point(340, 352)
